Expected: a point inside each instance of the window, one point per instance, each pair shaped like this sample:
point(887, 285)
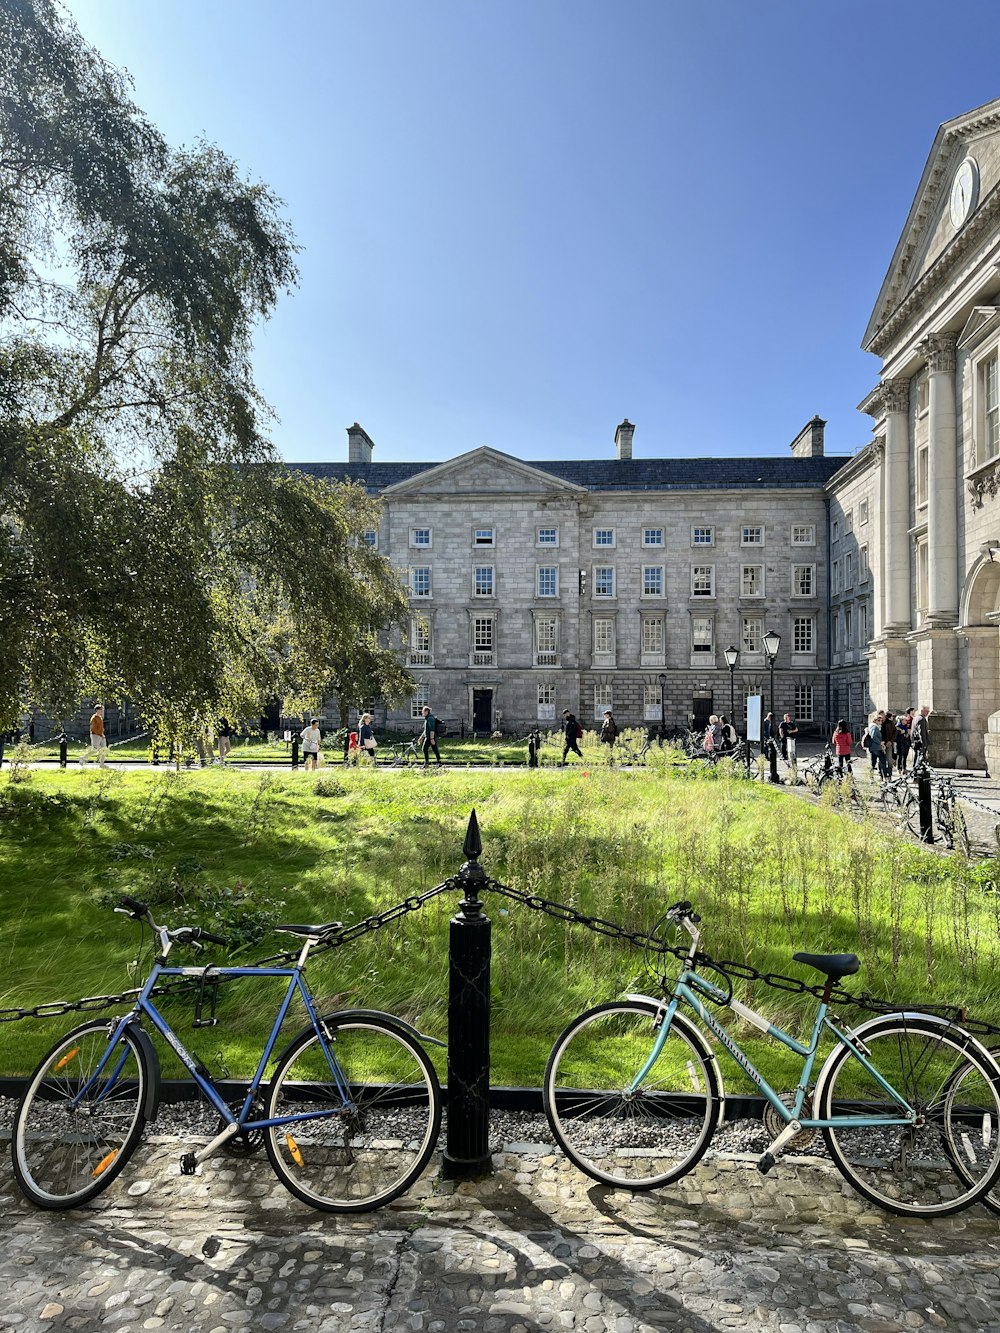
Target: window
point(652, 536)
point(652, 708)
point(923, 582)
point(547, 580)
point(863, 624)
point(547, 537)
point(420, 581)
point(835, 576)
point(863, 565)
point(604, 536)
point(420, 699)
point(602, 699)
point(420, 642)
point(604, 581)
point(370, 538)
point(752, 634)
point(652, 580)
point(546, 641)
point(752, 536)
point(803, 534)
point(835, 530)
point(482, 641)
point(752, 581)
point(989, 411)
point(862, 513)
point(702, 580)
point(482, 537)
point(420, 536)
point(803, 580)
point(546, 703)
point(604, 637)
point(652, 637)
point(848, 629)
point(849, 521)
point(803, 637)
point(484, 581)
point(836, 633)
point(702, 636)
point(702, 536)
point(803, 703)
point(921, 481)
point(848, 570)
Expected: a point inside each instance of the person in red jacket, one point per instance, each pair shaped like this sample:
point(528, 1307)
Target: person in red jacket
point(842, 742)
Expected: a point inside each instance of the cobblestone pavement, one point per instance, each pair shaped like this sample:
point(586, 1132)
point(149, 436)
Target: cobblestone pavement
point(535, 1247)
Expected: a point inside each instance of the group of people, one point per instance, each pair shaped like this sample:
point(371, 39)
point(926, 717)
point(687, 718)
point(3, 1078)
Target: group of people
point(890, 737)
point(363, 740)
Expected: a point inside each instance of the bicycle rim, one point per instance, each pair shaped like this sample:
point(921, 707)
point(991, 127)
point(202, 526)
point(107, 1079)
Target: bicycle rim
point(915, 1169)
point(63, 1155)
point(639, 1138)
point(354, 1156)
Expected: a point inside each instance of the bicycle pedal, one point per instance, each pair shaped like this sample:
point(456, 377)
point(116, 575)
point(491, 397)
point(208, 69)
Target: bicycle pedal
point(766, 1163)
point(188, 1164)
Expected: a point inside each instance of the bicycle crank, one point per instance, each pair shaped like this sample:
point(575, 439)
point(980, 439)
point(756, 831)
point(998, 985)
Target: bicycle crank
point(774, 1123)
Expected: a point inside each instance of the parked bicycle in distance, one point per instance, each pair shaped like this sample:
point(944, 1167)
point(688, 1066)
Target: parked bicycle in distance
point(907, 1102)
point(349, 1117)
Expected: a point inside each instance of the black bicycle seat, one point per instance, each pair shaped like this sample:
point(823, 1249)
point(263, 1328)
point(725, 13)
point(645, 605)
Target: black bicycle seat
point(312, 932)
point(830, 964)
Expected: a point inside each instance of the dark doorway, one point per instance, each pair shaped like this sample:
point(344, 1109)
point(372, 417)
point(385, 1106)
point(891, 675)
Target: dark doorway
point(701, 706)
point(482, 710)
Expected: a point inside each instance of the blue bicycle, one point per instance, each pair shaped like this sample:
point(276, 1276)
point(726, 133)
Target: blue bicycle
point(349, 1117)
point(907, 1103)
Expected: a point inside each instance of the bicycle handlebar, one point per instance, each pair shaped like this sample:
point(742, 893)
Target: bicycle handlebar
point(684, 909)
point(139, 911)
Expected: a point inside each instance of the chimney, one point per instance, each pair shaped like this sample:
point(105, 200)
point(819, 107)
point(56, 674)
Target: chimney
point(359, 445)
point(809, 441)
point(623, 439)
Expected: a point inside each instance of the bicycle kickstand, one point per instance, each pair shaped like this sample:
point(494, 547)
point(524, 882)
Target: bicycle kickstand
point(769, 1158)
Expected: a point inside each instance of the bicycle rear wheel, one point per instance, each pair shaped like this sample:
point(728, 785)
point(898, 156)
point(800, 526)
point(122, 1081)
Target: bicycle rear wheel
point(634, 1138)
point(355, 1156)
point(917, 1169)
point(65, 1152)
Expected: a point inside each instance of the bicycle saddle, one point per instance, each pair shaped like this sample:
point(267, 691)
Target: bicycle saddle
point(312, 932)
point(830, 964)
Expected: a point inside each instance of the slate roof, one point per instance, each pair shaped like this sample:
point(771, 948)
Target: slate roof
point(612, 474)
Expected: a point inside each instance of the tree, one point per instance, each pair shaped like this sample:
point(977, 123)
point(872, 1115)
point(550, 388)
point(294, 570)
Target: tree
point(150, 545)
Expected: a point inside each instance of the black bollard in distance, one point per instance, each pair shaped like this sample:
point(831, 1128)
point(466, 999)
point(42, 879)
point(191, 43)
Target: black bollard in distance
point(469, 942)
point(295, 752)
point(924, 804)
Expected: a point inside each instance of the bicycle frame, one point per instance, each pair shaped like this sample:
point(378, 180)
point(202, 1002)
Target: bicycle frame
point(685, 989)
point(233, 1123)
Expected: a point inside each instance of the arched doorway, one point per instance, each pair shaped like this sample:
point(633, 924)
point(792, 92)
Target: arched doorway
point(980, 678)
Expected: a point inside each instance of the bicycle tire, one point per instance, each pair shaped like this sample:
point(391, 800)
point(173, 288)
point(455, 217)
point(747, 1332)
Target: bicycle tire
point(991, 1199)
point(911, 1169)
point(65, 1156)
point(632, 1140)
point(960, 831)
point(363, 1155)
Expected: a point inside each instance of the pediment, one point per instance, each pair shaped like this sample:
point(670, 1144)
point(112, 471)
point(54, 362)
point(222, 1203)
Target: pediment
point(482, 471)
point(981, 323)
point(930, 236)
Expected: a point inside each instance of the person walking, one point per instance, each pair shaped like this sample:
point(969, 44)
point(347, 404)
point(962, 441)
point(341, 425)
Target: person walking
point(310, 744)
point(787, 730)
point(904, 723)
point(921, 737)
point(429, 735)
point(571, 736)
point(366, 736)
point(609, 733)
point(842, 741)
point(98, 740)
point(225, 734)
point(875, 751)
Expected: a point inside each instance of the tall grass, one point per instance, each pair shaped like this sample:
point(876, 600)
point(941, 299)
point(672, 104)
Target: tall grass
point(768, 873)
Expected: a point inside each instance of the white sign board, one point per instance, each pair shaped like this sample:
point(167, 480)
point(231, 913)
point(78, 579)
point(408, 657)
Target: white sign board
point(288, 737)
point(754, 707)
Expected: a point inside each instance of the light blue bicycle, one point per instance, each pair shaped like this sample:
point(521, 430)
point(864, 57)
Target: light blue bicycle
point(908, 1103)
point(349, 1117)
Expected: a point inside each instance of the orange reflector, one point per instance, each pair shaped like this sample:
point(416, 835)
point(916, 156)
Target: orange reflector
point(70, 1055)
point(104, 1163)
point(293, 1148)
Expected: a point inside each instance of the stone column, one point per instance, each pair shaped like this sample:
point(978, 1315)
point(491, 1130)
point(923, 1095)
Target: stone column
point(895, 530)
point(942, 484)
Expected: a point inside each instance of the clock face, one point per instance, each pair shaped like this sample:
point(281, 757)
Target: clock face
point(964, 191)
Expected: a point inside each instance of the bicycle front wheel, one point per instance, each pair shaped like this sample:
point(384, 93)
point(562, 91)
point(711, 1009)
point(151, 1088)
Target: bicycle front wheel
point(920, 1168)
point(66, 1148)
point(353, 1155)
point(641, 1137)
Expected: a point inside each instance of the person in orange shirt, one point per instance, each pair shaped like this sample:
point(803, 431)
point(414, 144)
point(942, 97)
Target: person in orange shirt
point(98, 740)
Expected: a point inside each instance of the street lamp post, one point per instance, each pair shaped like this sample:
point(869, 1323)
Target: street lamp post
point(772, 642)
point(662, 678)
point(732, 657)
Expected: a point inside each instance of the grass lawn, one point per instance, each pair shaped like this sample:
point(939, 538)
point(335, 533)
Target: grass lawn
point(769, 873)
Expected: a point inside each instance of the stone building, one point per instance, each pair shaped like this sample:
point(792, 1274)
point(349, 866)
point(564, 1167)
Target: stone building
point(606, 583)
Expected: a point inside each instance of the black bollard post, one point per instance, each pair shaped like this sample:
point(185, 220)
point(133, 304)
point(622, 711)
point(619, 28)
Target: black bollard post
point(295, 752)
point(773, 746)
point(533, 740)
point(63, 747)
point(924, 804)
point(467, 1152)
point(3, 741)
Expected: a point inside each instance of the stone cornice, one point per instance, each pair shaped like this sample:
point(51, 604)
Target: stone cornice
point(862, 461)
point(984, 481)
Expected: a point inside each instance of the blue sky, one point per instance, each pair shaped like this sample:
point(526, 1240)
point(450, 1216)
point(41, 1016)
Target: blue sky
point(523, 220)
